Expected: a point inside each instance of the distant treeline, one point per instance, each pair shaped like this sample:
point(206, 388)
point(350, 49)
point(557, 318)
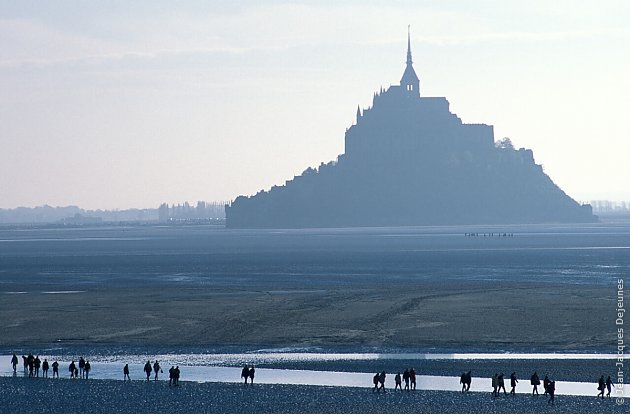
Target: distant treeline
point(607, 206)
point(73, 215)
point(203, 210)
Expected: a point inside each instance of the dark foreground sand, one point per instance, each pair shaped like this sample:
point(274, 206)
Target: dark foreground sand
point(453, 315)
point(21, 395)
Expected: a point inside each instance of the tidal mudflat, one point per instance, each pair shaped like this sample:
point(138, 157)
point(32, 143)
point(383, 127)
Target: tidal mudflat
point(128, 291)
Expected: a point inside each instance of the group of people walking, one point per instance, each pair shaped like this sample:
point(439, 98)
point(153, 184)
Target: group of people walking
point(498, 384)
point(604, 385)
point(408, 376)
point(156, 369)
point(248, 373)
point(32, 365)
point(83, 369)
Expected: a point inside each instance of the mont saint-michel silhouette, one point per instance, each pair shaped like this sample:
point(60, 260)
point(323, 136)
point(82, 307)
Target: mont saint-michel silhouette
point(409, 161)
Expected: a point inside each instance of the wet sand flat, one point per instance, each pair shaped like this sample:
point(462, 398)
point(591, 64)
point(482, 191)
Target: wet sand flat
point(456, 314)
point(18, 395)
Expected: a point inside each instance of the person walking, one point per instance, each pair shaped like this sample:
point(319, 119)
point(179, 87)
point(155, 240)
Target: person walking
point(171, 376)
point(381, 380)
point(551, 390)
point(601, 386)
point(126, 373)
point(546, 384)
point(45, 368)
point(465, 380)
point(535, 381)
point(495, 384)
point(412, 377)
point(245, 373)
point(14, 362)
point(37, 363)
point(81, 367)
point(176, 376)
point(608, 386)
point(406, 378)
point(86, 369)
point(513, 382)
point(252, 372)
point(375, 380)
point(72, 367)
point(55, 367)
point(501, 385)
point(148, 369)
point(398, 381)
point(156, 369)
point(31, 365)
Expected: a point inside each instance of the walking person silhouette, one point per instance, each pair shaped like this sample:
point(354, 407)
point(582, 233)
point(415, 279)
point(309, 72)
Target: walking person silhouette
point(608, 386)
point(55, 367)
point(535, 381)
point(14, 362)
point(601, 386)
point(513, 382)
point(245, 373)
point(157, 369)
point(148, 369)
point(398, 381)
point(551, 389)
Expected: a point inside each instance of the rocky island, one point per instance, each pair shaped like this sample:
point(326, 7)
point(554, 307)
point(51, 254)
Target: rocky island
point(409, 161)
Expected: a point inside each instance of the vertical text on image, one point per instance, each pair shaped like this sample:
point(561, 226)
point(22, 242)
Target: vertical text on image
point(619, 391)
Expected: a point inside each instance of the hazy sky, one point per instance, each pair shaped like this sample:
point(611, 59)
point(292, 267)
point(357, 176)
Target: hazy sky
point(128, 104)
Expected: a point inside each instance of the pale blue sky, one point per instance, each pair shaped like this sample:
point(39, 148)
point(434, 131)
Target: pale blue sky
point(127, 104)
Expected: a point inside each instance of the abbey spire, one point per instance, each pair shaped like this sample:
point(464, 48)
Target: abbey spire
point(409, 61)
point(409, 81)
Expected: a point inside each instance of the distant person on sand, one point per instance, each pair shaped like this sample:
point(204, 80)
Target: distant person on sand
point(381, 380)
point(546, 384)
point(157, 369)
point(608, 386)
point(551, 389)
point(252, 372)
point(513, 382)
point(176, 376)
point(375, 381)
point(81, 366)
point(535, 381)
point(398, 381)
point(31, 364)
point(412, 377)
point(406, 378)
point(466, 380)
point(45, 368)
point(148, 369)
point(37, 363)
point(495, 385)
point(72, 368)
point(25, 362)
point(601, 386)
point(14, 362)
point(86, 369)
point(245, 373)
point(171, 375)
point(501, 385)
point(55, 366)
point(126, 373)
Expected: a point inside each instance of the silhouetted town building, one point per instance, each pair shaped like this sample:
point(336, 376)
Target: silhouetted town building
point(409, 161)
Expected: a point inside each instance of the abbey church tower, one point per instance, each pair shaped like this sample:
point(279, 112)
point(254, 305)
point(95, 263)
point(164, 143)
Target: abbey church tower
point(409, 81)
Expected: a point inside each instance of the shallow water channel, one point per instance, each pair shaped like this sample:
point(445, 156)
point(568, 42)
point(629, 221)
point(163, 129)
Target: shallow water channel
point(211, 368)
